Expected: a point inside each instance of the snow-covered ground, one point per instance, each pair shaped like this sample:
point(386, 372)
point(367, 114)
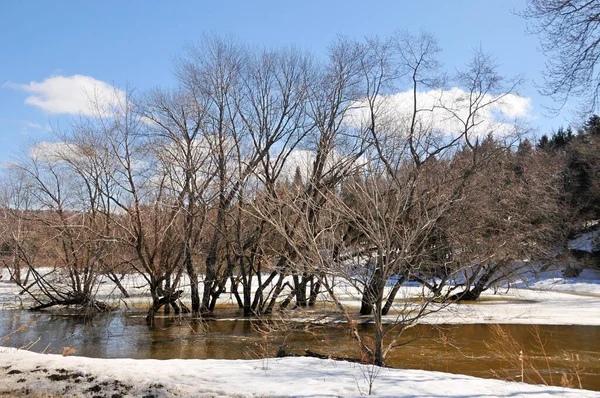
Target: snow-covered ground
point(587, 242)
point(31, 374)
point(580, 306)
point(588, 282)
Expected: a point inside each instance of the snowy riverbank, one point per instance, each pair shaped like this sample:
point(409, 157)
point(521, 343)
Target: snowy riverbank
point(544, 299)
point(27, 373)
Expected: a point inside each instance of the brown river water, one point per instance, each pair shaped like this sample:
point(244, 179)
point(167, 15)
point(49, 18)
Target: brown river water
point(571, 352)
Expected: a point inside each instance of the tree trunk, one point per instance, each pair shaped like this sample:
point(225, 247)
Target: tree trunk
point(315, 288)
point(378, 349)
point(392, 296)
point(277, 291)
point(167, 308)
point(479, 287)
point(300, 282)
point(113, 277)
point(157, 303)
point(191, 271)
point(373, 290)
point(258, 302)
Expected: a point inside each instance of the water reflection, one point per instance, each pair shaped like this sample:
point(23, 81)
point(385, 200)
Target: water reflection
point(451, 348)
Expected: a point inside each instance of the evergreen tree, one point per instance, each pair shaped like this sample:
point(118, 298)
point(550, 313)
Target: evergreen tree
point(544, 143)
point(297, 182)
point(592, 126)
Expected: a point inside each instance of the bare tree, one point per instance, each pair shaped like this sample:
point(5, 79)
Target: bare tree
point(272, 108)
point(570, 37)
point(17, 236)
point(183, 152)
point(329, 152)
point(135, 192)
point(68, 220)
point(211, 71)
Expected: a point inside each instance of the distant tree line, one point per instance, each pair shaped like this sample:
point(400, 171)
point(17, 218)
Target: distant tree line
point(581, 152)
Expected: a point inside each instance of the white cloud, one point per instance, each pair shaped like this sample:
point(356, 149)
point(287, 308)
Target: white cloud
point(56, 152)
point(442, 112)
point(73, 95)
point(303, 160)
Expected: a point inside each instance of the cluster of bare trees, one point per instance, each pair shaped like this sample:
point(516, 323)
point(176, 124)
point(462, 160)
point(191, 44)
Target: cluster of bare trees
point(284, 179)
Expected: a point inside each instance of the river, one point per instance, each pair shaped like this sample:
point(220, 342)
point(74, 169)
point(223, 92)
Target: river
point(477, 350)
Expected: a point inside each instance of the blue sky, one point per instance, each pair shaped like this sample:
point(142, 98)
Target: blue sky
point(133, 43)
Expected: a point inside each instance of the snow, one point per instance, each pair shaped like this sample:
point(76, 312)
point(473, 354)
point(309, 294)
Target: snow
point(27, 373)
point(525, 306)
point(544, 298)
point(588, 282)
point(538, 298)
point(587, 242)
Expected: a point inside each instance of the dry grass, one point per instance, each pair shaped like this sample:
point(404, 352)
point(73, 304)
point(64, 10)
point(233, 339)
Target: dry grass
point(531, 367)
